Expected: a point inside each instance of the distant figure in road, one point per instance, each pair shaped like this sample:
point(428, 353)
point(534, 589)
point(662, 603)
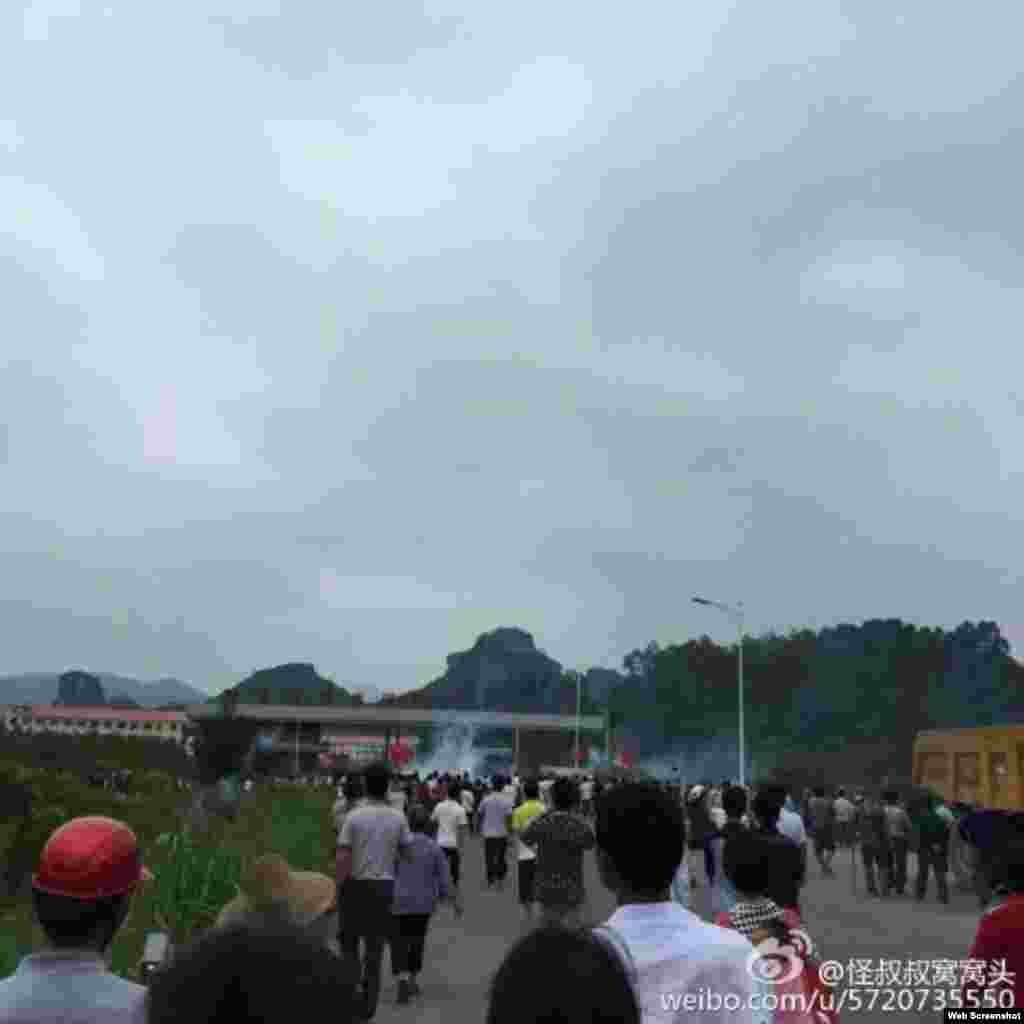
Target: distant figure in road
point(845, 812)
point(449, 816)
point(822, 817)
point(873, 829)
point(495, 809)
point(723, 893)
point(560, 837)
point(899, 841)
point(534, 984)
point(699, 829)
point(932, 850)
point(522, 817)
point(468, 801)
point(349, 798)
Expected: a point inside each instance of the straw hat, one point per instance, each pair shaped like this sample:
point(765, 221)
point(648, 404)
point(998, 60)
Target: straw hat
point(269, 882)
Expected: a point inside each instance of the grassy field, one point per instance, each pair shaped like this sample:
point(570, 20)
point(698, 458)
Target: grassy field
point(192, 881)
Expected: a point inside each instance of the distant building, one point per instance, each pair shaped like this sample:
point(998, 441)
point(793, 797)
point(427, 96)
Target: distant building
point(101, 721)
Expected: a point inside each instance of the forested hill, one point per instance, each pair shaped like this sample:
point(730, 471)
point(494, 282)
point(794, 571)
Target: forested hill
point(878, 683)
point(882, 681)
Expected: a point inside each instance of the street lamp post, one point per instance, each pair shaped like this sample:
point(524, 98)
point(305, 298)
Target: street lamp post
point(736, 614)
point(579, 683)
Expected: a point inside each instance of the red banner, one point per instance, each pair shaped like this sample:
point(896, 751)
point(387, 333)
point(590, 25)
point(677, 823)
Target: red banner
point(399, 754)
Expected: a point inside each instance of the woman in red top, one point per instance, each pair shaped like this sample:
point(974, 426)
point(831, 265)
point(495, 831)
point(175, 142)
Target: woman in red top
point(999, 944)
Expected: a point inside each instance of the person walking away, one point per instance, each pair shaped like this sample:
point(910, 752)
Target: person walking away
point(699, 830)
point(450, 818)
point(873, 828)
point(351, 796)
point(87, 876)
point(373, 837)
point(723, 893)
point(494, 811)
point(751, 859)
point(932, 835)
point(560, 837)
point(791, 869)
point(844, 813)
point(899, 841)
point(999, 942)
point(397, 797)
point(527, 812)
point(587, 797)
point(545, 792)
point(823, 830)
point(674, 956)
point(791, 823)
point(468, 801)
point(423, 878)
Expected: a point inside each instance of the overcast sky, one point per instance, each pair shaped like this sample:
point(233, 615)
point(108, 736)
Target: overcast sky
point(345, 337)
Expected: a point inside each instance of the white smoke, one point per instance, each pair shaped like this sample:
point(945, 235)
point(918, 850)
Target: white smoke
point(713, 760)
point(454, 751)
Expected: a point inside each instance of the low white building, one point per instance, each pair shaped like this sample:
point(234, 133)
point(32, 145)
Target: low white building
point(100, 721)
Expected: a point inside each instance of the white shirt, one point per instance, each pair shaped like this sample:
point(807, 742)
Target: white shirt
point(587, 791)
point(397, 799)
point(718, 817)
point(449, 816)
point(545, 791)
point(511, 791)
point(791, 825)
point(468, 801)
point(677, 954)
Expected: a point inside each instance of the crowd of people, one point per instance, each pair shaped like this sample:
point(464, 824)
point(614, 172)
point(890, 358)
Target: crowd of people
point(300, 939)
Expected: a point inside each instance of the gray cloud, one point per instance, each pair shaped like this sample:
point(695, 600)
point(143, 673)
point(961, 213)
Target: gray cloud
point(374, 331)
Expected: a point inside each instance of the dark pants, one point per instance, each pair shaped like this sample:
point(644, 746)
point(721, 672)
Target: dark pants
point(709, 861)
point(495, 849)
point(875, 857)
point(527, 873)
point(407, 941)
point(934, 858)
point(366, 916)
point(898, 864)
point(454, 862)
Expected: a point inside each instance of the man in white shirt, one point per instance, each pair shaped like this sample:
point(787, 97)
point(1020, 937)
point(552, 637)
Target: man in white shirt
point(468, 804)
point(845, 812)
point(587, 797)
point(545, 792)
point(373, 837)
point(677, 957)
point(452, 824)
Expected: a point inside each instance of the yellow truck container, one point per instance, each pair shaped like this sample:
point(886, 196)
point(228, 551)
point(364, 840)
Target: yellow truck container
point(981, 766)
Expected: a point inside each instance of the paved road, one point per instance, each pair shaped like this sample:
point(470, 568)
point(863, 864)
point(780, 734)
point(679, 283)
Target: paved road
point(462, 955)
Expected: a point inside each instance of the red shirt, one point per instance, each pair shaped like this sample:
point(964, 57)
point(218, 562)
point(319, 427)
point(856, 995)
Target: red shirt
point(1000, 937)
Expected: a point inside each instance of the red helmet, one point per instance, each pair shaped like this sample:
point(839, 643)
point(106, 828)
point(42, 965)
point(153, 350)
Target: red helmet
point(91, 859)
